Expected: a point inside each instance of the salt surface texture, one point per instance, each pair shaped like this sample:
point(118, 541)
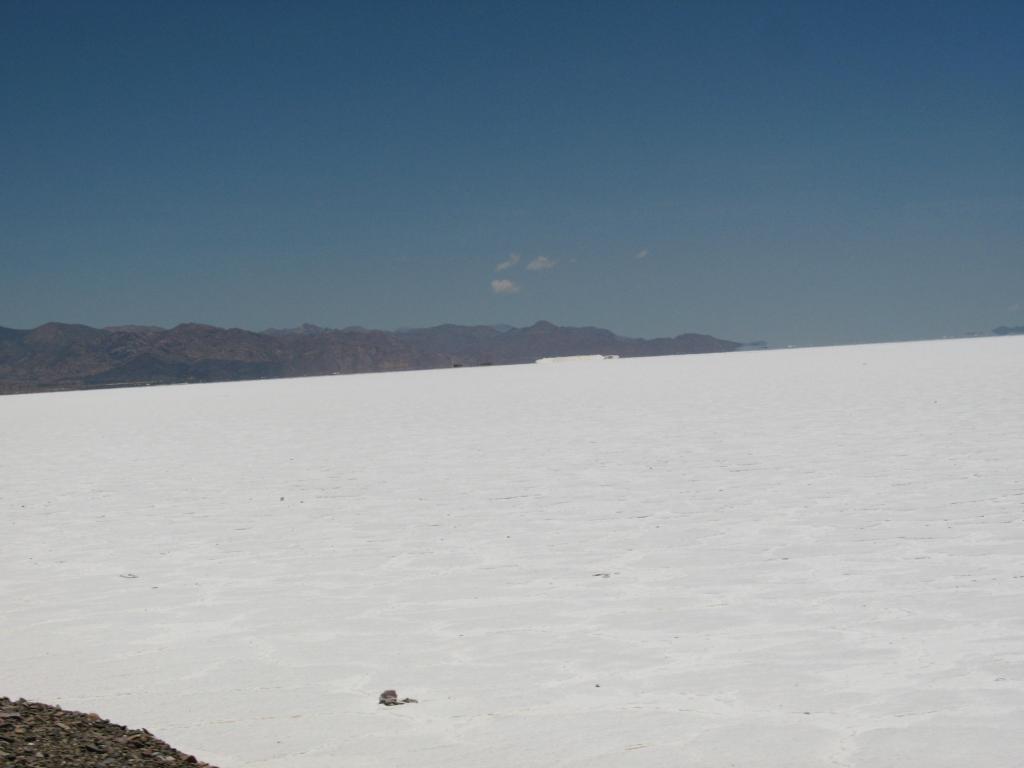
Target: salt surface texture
point(797, 558)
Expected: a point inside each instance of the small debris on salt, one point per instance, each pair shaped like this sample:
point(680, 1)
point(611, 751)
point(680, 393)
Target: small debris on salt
point(389, 698)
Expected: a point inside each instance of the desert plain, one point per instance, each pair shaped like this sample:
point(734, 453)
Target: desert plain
point(808, 557)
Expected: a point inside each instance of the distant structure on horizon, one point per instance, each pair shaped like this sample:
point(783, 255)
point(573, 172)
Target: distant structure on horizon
point(575, 358)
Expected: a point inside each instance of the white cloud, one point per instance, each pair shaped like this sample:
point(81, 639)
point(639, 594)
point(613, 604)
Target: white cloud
point(541, 262)
point(511, 261)
point(641, 254)
point(504, 286)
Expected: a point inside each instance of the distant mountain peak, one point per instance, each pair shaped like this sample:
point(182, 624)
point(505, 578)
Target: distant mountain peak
point(62, 356)
point(306, 329)
point(134, 329)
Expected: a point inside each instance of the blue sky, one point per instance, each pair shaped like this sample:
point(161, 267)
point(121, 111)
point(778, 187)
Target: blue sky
point(804, 173)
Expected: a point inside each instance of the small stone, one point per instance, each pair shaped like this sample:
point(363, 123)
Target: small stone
point(389, 698)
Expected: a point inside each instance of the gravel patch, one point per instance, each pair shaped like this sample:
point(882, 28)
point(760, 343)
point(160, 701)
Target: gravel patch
point(36, 735)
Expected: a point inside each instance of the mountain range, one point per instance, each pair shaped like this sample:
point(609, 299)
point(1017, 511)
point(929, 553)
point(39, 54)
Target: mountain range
point(59, 356)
